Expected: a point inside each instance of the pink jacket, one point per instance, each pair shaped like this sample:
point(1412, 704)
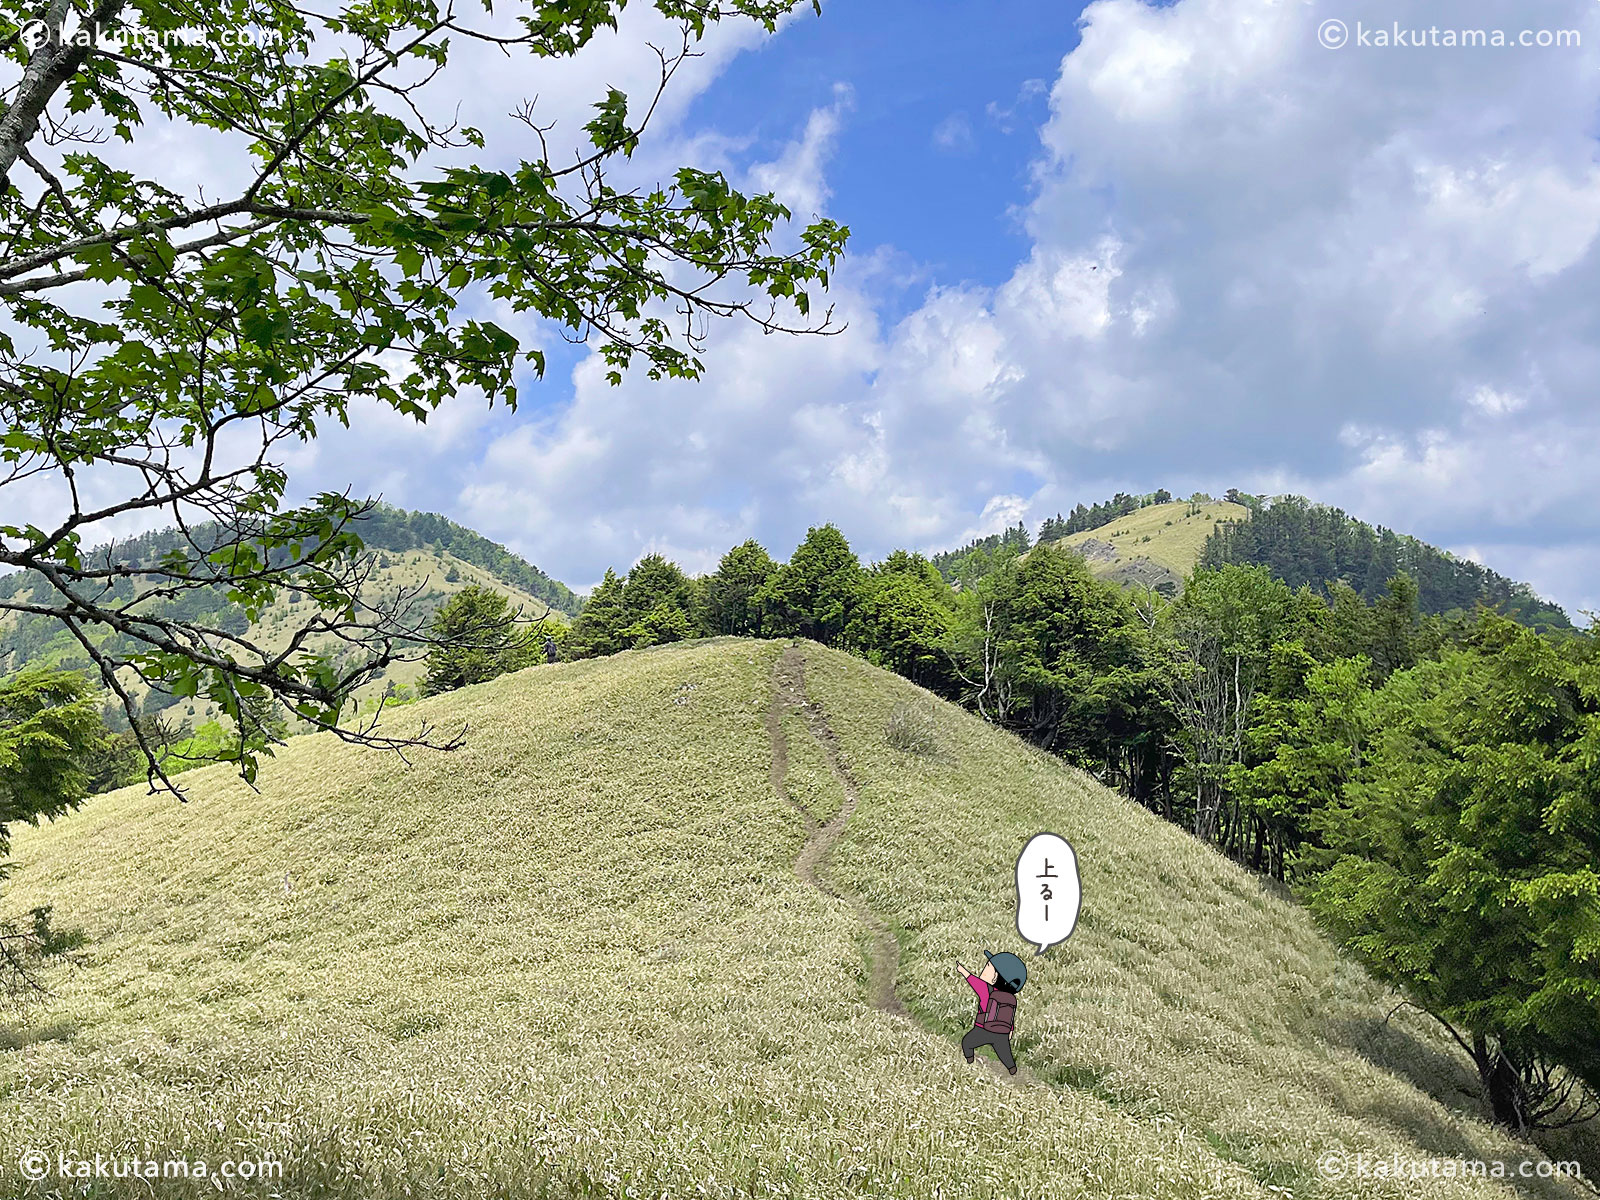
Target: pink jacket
point(982, 989)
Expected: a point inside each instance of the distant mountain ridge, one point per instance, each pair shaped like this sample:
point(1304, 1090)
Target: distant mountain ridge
point(385, 528)
point(1310, 544)
point(389, 528)
point(423, 555)
point(1151, 540)
point(1153, 544)
point(1141, 541)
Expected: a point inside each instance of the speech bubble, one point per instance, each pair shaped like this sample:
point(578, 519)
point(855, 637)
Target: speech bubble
point(1049, 892)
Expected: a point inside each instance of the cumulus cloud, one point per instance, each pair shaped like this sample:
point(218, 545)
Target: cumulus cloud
point(1370, 271)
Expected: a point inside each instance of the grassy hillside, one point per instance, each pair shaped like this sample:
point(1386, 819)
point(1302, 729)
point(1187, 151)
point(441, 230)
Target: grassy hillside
point(679, 922)
point(435, 576)
point(1157, 545)
point(389, 528)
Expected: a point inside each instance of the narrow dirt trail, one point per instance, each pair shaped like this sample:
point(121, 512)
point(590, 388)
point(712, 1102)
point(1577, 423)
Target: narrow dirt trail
point(813, 863)
point(779, 773)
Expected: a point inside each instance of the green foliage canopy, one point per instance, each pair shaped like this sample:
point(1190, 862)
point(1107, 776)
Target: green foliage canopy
point(816, 592)
point(902, 618)
point(731, 593)
point(1463, 857)
point(476, 637)
point(50, 729)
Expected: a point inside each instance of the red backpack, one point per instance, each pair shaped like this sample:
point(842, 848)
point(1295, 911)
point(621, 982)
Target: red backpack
point(1001, 1015)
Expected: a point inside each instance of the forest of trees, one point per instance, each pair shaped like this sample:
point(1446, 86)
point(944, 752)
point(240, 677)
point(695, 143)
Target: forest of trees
point(1313, 544)
point(949, 562)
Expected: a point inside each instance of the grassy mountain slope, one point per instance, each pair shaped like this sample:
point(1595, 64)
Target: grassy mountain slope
point(1157, 545)
point(388, 528)
point(630, 940)
point(1303, 544)
point(439, 575)
point(426, 571)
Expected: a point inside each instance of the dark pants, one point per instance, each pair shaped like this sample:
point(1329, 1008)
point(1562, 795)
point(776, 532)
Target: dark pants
point(982, 1037)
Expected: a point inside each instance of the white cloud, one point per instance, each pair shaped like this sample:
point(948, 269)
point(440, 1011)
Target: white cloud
point(1496, 403)
point(1297, 243)
point(954, 134)
point(797, 177)
point(1006, 117)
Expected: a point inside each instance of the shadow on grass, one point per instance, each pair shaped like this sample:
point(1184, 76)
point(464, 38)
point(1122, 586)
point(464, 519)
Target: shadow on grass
point(1449, 1079)
point(32, 1035)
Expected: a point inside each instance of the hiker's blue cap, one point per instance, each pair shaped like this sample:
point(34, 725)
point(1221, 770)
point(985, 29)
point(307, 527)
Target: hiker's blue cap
point(1009, 967)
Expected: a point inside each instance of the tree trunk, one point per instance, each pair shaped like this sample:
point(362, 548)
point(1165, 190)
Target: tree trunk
point(1207, 806)
point(1502, 1086)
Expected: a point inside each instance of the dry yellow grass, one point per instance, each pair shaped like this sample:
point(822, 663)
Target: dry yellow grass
point(573, 958)
point(1166, 534)
point(810, 782)
point(1192, 992)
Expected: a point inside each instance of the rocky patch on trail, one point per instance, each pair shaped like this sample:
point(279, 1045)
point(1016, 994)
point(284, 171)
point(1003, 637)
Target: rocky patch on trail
point(1095, 551)
point(1143, 573)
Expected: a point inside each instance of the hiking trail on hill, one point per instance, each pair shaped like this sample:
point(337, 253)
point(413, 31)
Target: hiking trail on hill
point(813, 863)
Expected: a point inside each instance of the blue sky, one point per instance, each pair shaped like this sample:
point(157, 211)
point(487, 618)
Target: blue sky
point(947, 101)
point(1121, 248)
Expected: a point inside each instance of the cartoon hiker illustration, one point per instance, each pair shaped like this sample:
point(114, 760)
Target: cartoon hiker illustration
point(997, 986)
